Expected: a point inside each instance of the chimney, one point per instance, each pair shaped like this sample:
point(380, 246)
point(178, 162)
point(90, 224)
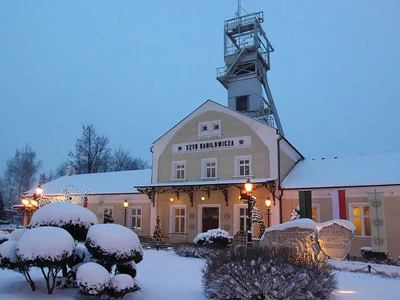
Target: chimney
point(70, 171)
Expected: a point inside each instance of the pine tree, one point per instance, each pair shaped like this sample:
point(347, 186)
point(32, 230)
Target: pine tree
point(262, 229)
point(158, 236)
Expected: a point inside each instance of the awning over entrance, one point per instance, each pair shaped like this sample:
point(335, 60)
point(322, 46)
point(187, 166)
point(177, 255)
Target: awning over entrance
point(189, 187)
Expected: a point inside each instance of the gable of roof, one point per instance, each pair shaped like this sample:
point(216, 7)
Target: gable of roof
point(360, 170)
point(121, 182)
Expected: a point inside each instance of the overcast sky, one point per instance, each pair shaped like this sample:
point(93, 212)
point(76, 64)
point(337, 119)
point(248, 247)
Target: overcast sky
point(134, 69)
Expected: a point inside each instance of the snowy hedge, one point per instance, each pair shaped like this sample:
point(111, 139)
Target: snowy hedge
point(260, 273)
point(190, 250)
point(215, 237)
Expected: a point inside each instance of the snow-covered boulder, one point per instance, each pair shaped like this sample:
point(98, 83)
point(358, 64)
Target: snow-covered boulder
point(92, 279)
point(113, 243)
point(72, 217)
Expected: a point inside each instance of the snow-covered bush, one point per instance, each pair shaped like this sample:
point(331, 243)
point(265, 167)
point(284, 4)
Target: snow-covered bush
point(16, 234)
point(128, 268)
point(92, 279)
point(46, 247)
point(71, 217)
point(113, 243)
point(261, 273)
point(190, 250)
point(4, 236)
point(8, 260)
point(120, 285)
point(215, 237)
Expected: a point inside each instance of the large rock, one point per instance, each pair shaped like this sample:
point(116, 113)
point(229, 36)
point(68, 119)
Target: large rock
point(335, 238)
point(332, 238)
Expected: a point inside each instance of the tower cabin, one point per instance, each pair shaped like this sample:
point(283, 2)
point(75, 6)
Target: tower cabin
point(247, 60)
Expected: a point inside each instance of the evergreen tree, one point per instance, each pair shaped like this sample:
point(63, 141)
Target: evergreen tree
point(158, 236)
point(262, 229)
point(3, 215)
point(295, 214)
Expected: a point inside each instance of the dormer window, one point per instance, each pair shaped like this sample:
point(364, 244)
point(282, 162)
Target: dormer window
point(209, 128)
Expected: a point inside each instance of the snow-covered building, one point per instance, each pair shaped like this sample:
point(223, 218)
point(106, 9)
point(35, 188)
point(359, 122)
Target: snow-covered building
point(364, 189)
point(199, 167)
point(106, 193)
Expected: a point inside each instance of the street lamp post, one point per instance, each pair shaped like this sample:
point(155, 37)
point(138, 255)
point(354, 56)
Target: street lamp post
point(246, 196)
point(30, 205)
point(126, 204)
point(268, 203)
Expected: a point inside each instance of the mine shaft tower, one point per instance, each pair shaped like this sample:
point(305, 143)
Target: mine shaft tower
point(247, 61)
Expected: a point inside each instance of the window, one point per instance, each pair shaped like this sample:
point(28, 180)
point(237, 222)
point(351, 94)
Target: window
point(243, 166)
point(209, 128)
point(242, 103)
point(179, 170)
point(178, 219)
point(108, 214)
point(360, 215)
point(209, 168)
point(136, 217)
point(315, 213)
point(243, 219)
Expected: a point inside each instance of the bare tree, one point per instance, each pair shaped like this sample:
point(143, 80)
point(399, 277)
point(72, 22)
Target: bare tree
point(54, 174)
point(123, 161)
point(92, 154)
point(20, 172)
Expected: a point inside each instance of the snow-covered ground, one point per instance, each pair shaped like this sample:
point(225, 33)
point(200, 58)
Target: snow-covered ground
point(165, 275)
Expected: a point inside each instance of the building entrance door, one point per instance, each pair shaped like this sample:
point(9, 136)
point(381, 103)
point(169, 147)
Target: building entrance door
point(210, 218)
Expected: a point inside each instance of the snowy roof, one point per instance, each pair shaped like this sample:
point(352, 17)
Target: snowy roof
point(204, 182)
point(121, 182)
point(359, 170)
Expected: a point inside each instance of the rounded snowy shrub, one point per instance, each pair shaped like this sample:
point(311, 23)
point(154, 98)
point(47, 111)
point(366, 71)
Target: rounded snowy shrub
point(120, 285)
point(265, 273)
point(214, 237)
point(46, 247)
point(16, 234)
point(4, 236)
point(128, 268)
point(190, 250)
point(71, 217)
point(113, 243)
point(92, 279)
point(8, 257)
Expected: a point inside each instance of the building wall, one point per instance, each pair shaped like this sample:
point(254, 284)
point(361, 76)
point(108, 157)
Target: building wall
point(97, 203)
point(355, 196)
point(230, 127)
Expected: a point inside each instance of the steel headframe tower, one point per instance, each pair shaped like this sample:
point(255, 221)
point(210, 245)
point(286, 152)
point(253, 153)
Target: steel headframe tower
point(247, 61)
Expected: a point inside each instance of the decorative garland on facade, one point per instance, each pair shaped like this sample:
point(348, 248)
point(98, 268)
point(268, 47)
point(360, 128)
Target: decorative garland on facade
point(152, 191)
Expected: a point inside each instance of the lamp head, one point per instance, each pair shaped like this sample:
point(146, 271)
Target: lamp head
point(268, 202)
point(126, 204)
point(248, 186)
point(39, 191)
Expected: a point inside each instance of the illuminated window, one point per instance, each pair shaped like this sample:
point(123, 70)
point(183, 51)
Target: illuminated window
point(209, 168)
point(178, 219)
point(315, 213)
point(179, 170)
point(360, 216)
point(136, 217)
point(243, 166)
